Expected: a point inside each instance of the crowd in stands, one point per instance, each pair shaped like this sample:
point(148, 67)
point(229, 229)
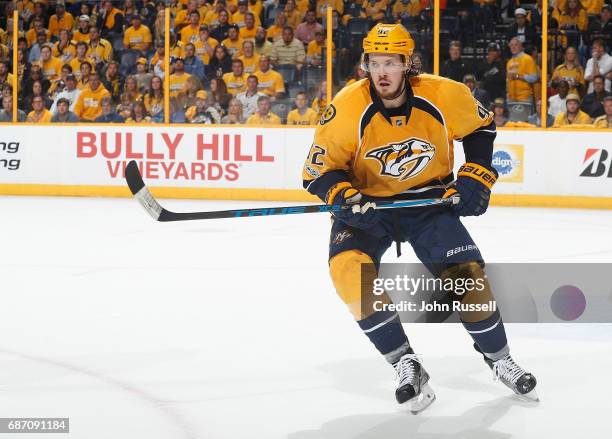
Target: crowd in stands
point(263, 61)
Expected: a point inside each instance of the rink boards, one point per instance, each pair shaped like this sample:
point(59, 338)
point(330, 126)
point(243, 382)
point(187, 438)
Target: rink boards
point(556, 168)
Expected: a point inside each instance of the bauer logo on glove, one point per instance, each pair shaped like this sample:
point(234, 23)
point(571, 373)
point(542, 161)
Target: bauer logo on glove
point(473, 185)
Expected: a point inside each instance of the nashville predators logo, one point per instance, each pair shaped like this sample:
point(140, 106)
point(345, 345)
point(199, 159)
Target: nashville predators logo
point(405, 159)
point(328, 114)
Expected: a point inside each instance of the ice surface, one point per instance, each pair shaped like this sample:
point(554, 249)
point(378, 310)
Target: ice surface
point(231, 329)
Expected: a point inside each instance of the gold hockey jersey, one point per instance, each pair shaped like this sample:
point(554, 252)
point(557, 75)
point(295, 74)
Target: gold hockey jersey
point(386, 153)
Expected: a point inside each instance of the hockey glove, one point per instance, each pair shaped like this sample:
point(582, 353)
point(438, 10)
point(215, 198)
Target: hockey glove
point(473, 185)
point(359, 216)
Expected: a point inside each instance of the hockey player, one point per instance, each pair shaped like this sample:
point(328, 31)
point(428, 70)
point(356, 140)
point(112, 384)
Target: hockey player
point(390, 136)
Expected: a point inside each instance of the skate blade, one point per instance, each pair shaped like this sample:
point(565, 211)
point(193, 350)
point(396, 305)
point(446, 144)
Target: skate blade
point(531, 397)
point(423, 400)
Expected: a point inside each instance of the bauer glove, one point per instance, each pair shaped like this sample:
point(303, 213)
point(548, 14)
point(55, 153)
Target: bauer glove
point(359, 216)
point(473, 185)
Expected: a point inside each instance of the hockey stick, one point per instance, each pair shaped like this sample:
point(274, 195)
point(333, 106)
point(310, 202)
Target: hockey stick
point(150, 204)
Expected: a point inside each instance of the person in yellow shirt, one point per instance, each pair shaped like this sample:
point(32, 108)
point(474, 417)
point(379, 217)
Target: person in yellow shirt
point(592, 7)
point(236, 79)
point(80, 58)
point(83, 74)
point(263, 115)
point(256, 7)
point(250, 60)
point(238, 17)
point(89, 104)
point(275, 32)
point(212, 17)
point(112, 20)
point(100, 50)
point(51, 66)
point(64, 48)
point(178, 78)
point(233, 43)
point(249, 30)
point(605, 121)
point(82, 32)
point(573, 115)
point(270, 82)
point(294, 17)
point(572, 15)
point(570, 71)
point(39, 114)
point(191, 32)
point(60, 20)
point(205, 45)
point(522, 73)
point(406, 9)
point(37, 27)
point(375, 9)
point(137, 36)
point(302, 115)
point(322, 5)
point(314, 52)
point(183, 16)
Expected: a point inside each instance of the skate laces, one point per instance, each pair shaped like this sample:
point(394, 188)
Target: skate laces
point(507, 369)
point(405, 368)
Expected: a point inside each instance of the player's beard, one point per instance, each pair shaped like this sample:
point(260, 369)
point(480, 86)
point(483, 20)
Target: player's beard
point(391, 94)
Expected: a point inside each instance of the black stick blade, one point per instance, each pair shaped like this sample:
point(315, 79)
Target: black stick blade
point(133, 177)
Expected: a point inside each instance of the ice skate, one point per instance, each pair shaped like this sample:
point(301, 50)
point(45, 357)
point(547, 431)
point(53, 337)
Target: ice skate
point(412, 384)
point(513, 376)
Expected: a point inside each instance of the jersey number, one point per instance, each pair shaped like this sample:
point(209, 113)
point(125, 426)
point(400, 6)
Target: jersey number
point(482, 111)
point(316, 152)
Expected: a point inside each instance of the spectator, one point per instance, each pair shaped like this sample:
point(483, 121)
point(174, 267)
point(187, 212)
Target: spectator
point(219, 96)
point(131, 89)
point(138, 36)
point(63, 113)
point(220, 32)
point(202, 112)
point(191, 33)
point(80, 58)
point(499, 112)
point(314, 53)
point(234, 113)
point(142, 75)
point(270, 82)
point(375, 9)
point(112, 80)
point(36, 49)
point(572, 17)
point(479, 94)
point(34, 74)
point(39, 113)
point(154, 99)
point(556, 103)
point(593, 103)
point(6, 114)
point(236, 80)
point(108, 114)
point(406, 11)
point(158, 60)
point(288, 50)
point(124, 109)
point(70, 93)
point(5, 76)
point(599, 64)
point(573, 115)
point(249, 30)
point(534, 16)
point(37, 91)
point(302, 115)
point(454, 67)
point(33, 35)
point(492, 73)
point(601, 26)
point(178, 78)
point(183, 16)
point(536, 119)
point(522, 73)
point(522, 29)
point(81, 34)
point(294, 17)
point(205, 46)
point(212, 17)
point(249, 97)
point(232, 43)
point(338, 5)
point(263, 116)
point(64, 48)
point(305, 32)
point(605, 121)
point(110, 20)
point(88, 106)
point(187, 96)
point(250, 60)
point(138, 114)
point(100, 50)
point(220, 64)
point(239, 17)
point(61, 20)
point(193, 64)
point(571, 71)
point(262, 45)
point(275, 32)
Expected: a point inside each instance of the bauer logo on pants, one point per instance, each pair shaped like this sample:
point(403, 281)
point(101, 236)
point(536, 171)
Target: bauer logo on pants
point(508, 161)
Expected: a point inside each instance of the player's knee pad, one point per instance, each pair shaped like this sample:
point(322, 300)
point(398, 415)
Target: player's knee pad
point(471, 288)
point(353, 273)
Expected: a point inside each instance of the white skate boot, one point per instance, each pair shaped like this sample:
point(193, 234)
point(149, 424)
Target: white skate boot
point(412, 384)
